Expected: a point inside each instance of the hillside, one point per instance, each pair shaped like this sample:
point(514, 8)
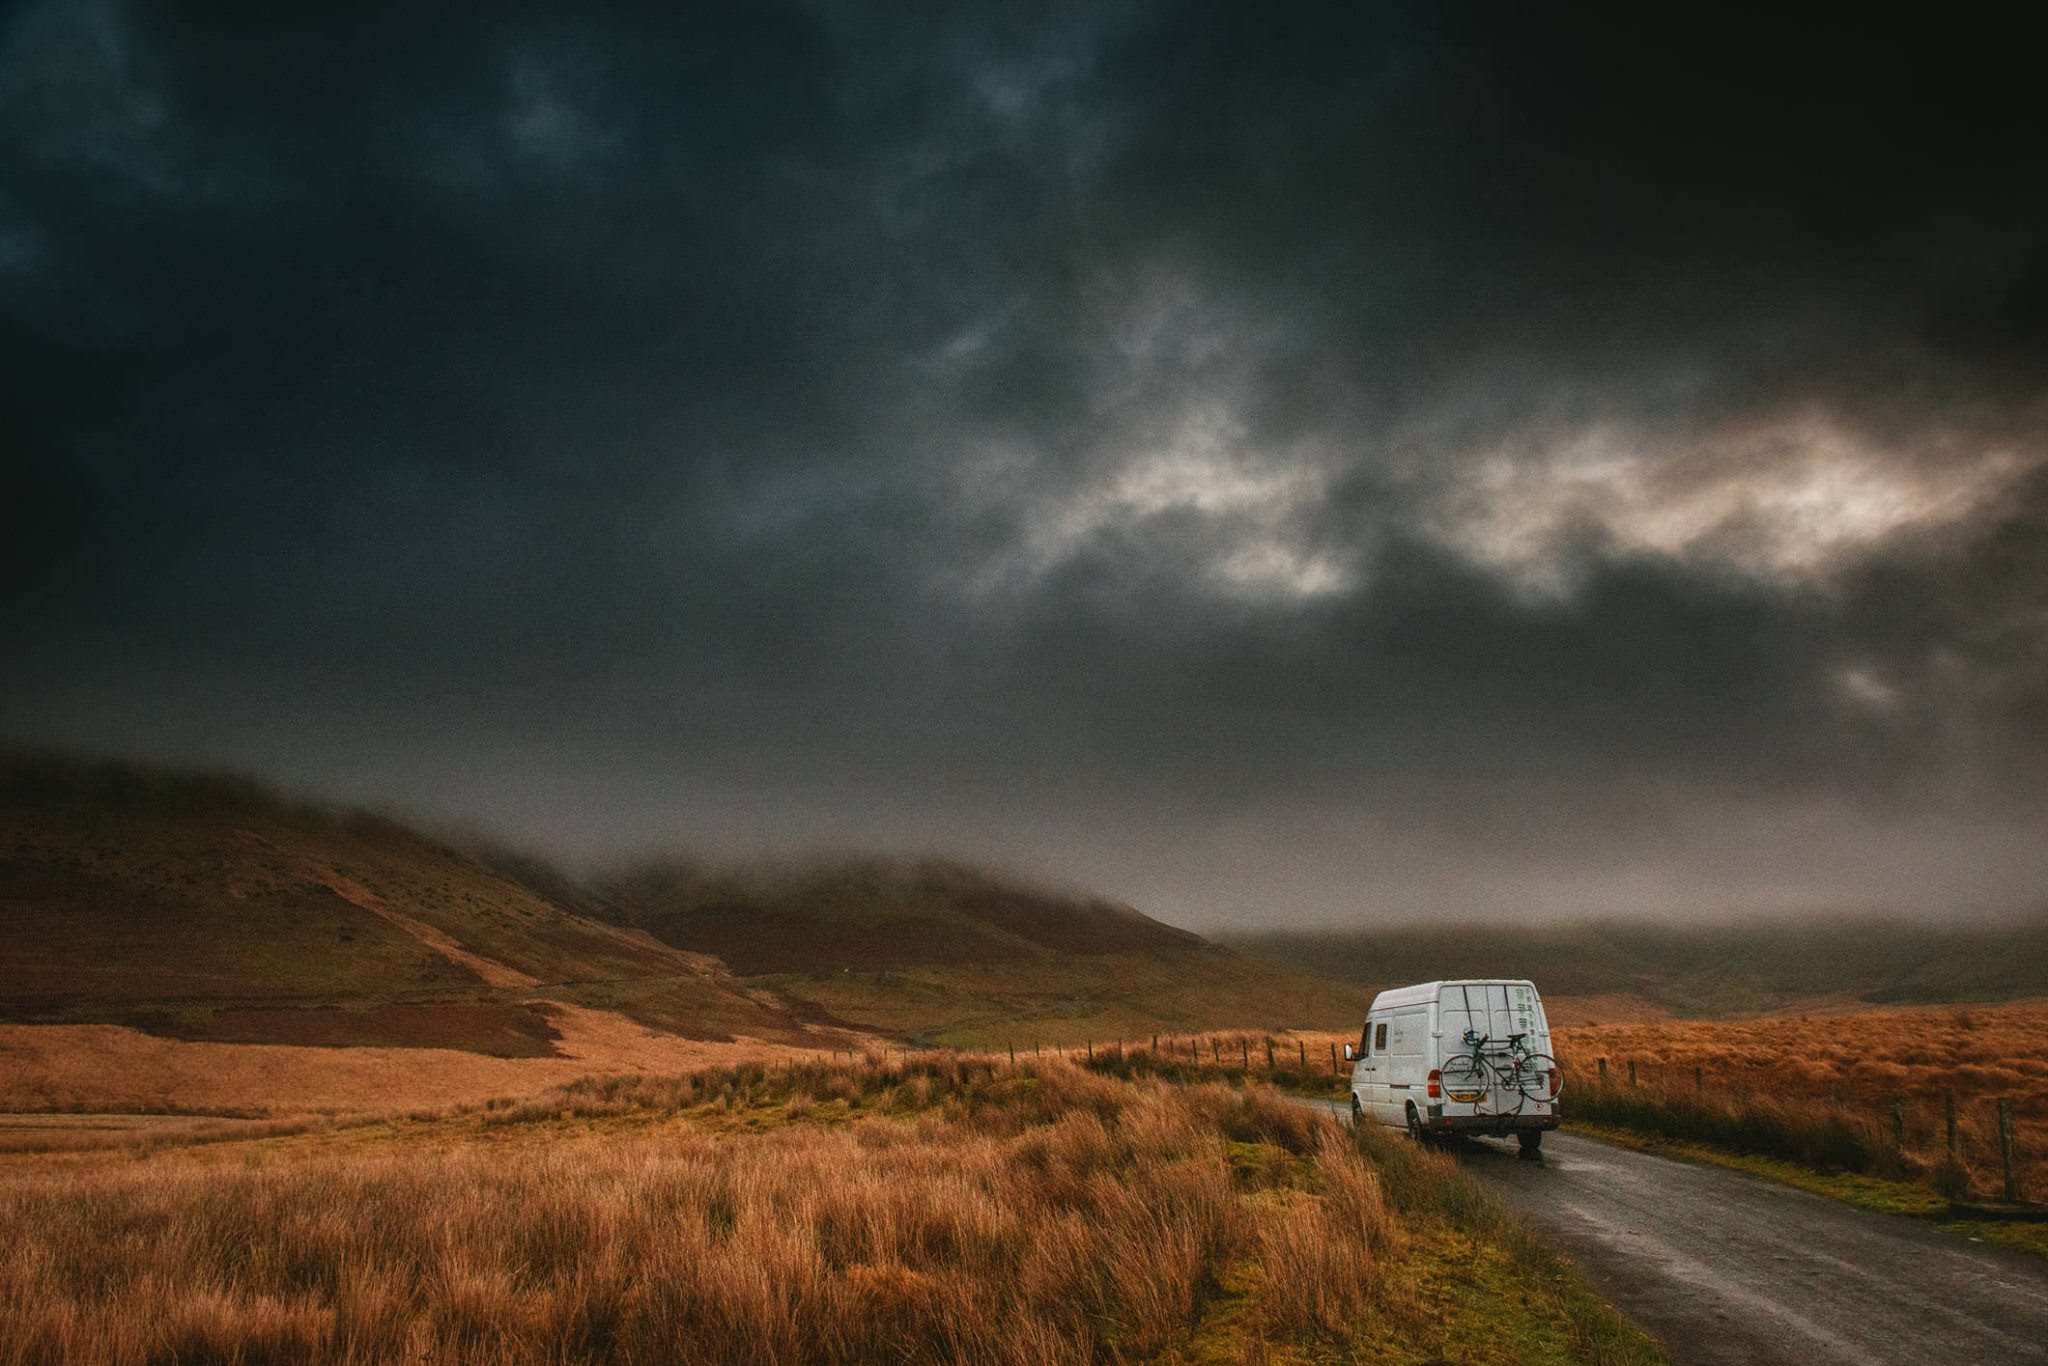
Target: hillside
point(205, 908)
point(939, 952)
point(1697, 970)
point(202, 907)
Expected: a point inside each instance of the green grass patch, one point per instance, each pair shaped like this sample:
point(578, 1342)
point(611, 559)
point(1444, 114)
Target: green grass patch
point(1887, 1195)
point(2021, 1237)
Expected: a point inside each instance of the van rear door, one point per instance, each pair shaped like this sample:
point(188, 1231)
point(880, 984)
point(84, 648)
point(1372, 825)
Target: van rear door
point(1496, 1011)
point(1489, 1010)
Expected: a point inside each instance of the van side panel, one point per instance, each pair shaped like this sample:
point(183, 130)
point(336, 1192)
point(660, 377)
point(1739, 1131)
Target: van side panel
point(1367, 1082)
point(1407, 1063)
point(1368, 1077)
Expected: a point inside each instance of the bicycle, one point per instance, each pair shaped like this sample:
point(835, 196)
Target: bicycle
point(1512, 1072)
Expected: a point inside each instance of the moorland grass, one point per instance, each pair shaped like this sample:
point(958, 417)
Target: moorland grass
point(1821, 1136)
point(1862, 1092)
point(936, 1210)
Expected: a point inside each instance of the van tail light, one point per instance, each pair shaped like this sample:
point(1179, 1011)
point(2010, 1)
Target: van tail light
point(1554, 1081)
point(1436, 1083)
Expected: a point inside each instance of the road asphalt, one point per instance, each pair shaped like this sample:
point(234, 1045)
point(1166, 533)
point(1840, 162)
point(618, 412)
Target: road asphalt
point(1727, 1269)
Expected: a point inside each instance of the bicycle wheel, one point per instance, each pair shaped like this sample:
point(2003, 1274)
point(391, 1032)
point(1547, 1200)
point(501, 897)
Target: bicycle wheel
point(1465, 1077)
point(1539, 1072)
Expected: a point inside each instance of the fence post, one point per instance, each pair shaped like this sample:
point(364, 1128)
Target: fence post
point(1216, 1050)
point(1013, 1055)
point(1091, 1050)
point(1699, 1078)
point(1950, 1106)
point(1244, 1048)
point(1155, 1045)
point(1603, 1071)
point(2005, 1154)
point(1301, 1045)
point(1631, 1071)
point(1269, 1054)
point(1333, 1055)
point(1899, 1126)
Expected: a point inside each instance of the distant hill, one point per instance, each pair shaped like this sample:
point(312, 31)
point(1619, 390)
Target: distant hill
point(207, 907)
point(878, 913)
point(1751, 965)
point(203, 906)
point(942, 952)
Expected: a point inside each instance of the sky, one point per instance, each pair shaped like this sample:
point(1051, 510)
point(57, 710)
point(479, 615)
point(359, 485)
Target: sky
point(1299, 465)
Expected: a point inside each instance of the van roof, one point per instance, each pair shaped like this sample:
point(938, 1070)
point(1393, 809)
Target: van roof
point(1423, 992)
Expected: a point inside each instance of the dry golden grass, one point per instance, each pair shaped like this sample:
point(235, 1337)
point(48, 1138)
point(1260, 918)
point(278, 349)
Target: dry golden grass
point(1611, 1007)
point(111, 1067)
point(940, 1210)
point(1062, 1219)
point(1303, 1062)
point(1848, 1069)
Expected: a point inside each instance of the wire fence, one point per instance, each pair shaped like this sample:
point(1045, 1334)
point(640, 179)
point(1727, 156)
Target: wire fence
point(1301, 1060)
point(1967, 1145)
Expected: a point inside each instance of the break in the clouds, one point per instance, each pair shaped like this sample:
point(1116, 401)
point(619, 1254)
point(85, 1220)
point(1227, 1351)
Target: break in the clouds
point(1277, 465)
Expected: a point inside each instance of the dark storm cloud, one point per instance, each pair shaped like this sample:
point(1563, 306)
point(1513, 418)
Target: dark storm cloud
point(1270, 465)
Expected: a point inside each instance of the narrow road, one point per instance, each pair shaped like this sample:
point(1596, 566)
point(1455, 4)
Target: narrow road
point(1728, 1268)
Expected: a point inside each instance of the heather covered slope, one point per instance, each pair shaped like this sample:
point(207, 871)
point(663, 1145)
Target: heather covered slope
point(204, 907)
point(940, 952)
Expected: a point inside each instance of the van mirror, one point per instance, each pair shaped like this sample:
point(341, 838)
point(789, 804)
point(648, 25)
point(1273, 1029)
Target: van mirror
point(1350, 1053)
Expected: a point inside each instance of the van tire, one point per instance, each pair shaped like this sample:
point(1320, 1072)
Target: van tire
point(1415, 1132)
point(1531, 1141)
point(1357, 1112)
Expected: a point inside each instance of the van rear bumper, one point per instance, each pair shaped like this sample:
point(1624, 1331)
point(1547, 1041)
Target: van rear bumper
point(1488, 1124)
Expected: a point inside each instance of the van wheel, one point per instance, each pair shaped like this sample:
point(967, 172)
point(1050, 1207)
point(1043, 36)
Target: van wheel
point(1531, 1141)
point(1357, 1113)
point(1415, 1133)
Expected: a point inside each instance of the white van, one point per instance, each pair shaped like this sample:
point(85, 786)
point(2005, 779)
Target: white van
point(1465, 1057)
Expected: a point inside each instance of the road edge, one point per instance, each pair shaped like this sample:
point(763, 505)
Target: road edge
point(1876, 1194)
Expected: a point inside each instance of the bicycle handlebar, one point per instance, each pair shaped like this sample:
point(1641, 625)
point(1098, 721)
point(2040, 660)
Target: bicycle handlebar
point(1481, 1040)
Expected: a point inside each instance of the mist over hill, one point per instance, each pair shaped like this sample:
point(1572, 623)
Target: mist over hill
point(1754, 964)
